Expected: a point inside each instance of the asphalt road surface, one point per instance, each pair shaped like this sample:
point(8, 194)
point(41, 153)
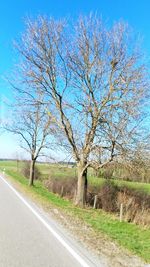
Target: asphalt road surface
point(28, 238)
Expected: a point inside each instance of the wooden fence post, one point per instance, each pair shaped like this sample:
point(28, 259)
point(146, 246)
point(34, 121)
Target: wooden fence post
point(75, 193)
point(121, 212)
point(95, 202)
point(62, 191)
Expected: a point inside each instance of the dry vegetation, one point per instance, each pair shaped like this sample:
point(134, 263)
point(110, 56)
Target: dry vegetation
point(136, 204)
point(111, 193)
point(62, 180)
point(99, 221)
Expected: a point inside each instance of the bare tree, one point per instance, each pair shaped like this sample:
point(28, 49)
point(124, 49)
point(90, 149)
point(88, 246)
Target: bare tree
point(34, 127)
point(93, 78)
point(137, 161)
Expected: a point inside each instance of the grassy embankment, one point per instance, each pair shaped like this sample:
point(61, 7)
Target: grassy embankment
point(135, 238)
point(57, 172)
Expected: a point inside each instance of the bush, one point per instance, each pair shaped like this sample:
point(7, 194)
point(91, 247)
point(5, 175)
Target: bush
point(136, 206)
point(26, 171)
point(108, 195)
point(94, 190)
point(65, 187)
point(106, 172)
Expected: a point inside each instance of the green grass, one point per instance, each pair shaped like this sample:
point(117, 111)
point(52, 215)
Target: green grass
point(58, 171)
point(134, 185)
point(11, 165)
point(130, 236)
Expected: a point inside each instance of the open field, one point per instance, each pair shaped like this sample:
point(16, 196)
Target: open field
point(135, 238)
point(59, 171)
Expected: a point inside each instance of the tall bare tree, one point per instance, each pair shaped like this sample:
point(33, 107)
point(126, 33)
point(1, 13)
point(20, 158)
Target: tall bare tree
point(34, 127)
point(94, 79)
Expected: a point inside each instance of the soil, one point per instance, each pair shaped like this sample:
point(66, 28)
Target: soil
point(99, 244)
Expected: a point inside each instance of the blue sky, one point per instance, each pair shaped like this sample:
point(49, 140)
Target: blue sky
point(12, 14)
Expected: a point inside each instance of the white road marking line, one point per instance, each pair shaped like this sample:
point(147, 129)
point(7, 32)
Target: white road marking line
point(57, 236)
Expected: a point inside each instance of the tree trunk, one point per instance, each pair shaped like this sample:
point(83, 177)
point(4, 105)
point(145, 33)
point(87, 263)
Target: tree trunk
point(81, 185)
point(32, 169)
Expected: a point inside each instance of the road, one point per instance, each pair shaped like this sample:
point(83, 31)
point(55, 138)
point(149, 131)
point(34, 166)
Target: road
point(28, 238)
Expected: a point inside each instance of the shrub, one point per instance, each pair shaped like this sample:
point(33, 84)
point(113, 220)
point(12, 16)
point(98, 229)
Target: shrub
point(136, 206)
point(94, 190)
point(108, 195)
point(108, 172)
point(65, 187)
point(26, 171)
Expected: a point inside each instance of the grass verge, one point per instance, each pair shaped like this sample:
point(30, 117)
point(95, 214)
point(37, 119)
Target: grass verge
point(130, 236)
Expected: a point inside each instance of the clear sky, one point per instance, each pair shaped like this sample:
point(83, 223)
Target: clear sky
point(12, 14)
